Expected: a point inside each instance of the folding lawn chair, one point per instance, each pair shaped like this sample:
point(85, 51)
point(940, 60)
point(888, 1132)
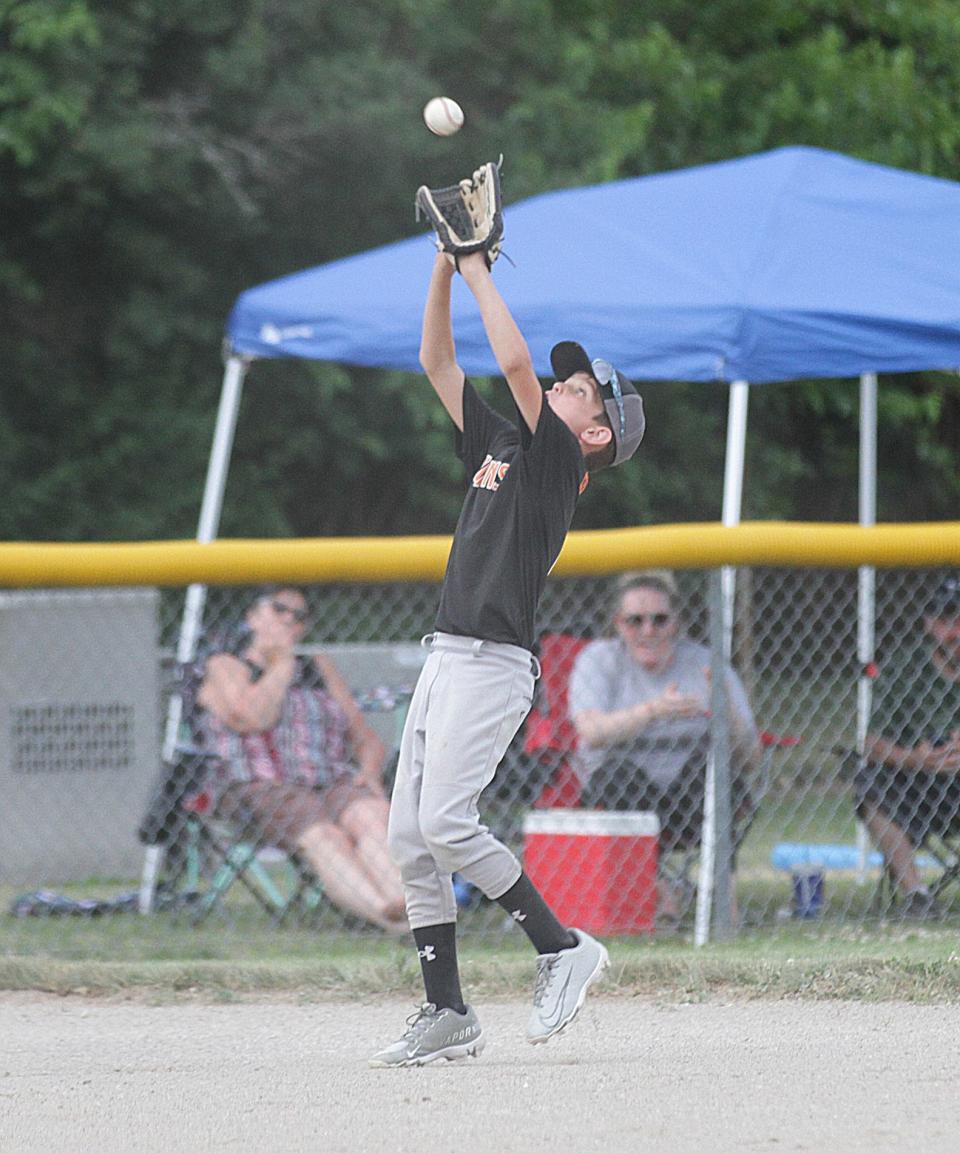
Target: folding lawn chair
point(202, 855)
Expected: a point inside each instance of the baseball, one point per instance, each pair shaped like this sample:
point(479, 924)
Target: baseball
point(443, 116)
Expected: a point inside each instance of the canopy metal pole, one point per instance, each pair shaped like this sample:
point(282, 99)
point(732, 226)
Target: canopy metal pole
point(210, 508)
point(866, 588)
point(730, 513)
point(733, 494)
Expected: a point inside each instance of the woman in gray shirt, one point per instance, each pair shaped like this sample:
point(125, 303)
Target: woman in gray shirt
point(640, 703)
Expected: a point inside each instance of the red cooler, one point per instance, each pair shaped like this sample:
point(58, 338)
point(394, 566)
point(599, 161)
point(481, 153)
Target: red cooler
point(597, 871)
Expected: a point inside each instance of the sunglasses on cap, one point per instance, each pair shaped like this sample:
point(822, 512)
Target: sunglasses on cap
point(281, 609)
point(637, 620)
point(606, 376)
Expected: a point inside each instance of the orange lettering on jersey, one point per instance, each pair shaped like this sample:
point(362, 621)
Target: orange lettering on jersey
point(584, 483)
point(490, 474)
point(479, 477)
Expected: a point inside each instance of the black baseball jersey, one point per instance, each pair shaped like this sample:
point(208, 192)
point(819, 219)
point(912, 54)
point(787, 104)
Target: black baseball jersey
point(518, 508)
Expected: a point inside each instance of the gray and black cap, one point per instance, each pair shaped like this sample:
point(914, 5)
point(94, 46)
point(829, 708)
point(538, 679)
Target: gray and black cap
point(621, 401)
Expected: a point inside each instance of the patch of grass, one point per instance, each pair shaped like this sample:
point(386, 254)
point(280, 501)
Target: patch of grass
point(239, 952)
point(161, 959)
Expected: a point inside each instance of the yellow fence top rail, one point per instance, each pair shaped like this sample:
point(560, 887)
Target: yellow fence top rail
point(423, 558)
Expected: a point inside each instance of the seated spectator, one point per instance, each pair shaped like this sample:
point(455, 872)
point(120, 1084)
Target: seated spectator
point(640, 702)
point(298, 762)
point(909, 785)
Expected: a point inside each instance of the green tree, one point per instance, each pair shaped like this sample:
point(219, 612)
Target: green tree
point(157, 157)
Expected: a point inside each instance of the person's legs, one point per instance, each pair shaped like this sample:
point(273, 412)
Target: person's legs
point(482, 694)
point(466, 709)
point(896, 847)
point(474, 697)
point(444, 1028)
point(532, 913)
point(331, 854)
point(680, 809)
point(364, 820)
point(487, 694)
point(428, 891)
point(430, 900)
point(437, 953)
point(298, 818)
point(899, 808)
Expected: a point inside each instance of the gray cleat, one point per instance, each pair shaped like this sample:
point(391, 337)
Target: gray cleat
point(433, 1035)
point(562, 982)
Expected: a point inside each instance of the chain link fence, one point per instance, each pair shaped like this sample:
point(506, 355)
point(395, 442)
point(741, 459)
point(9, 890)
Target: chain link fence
point(609, 821)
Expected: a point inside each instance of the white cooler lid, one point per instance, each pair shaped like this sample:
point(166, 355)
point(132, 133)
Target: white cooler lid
point(590, 823)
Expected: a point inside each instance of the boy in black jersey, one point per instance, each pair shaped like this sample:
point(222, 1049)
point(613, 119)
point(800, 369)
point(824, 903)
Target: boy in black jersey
point(477, 684)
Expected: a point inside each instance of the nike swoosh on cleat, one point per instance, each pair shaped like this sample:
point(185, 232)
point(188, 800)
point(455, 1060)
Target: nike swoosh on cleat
point(551, 1021)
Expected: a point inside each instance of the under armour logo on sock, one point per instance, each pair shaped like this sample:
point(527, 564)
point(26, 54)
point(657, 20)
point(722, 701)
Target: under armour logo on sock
point(518, 916)
point(427, 953)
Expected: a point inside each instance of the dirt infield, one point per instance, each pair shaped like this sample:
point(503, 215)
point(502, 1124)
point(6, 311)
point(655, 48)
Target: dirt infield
point(88, 1076)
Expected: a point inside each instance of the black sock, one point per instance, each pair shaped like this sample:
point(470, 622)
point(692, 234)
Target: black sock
point(533, 915)
point(437, 950)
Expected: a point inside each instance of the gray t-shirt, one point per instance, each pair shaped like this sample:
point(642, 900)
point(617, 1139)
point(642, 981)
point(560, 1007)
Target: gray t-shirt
point(606, 678)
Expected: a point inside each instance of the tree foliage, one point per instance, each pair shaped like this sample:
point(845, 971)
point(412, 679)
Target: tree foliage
point(159, 156)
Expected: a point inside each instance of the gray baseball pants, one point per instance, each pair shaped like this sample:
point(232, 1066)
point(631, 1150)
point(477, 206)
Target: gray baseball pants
point(469, 702)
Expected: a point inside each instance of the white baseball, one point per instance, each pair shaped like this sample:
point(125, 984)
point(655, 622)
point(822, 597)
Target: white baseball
point(443, 116)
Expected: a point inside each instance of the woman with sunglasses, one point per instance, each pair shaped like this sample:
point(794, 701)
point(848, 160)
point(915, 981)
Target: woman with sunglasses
point(300, 765)
point(640, 703)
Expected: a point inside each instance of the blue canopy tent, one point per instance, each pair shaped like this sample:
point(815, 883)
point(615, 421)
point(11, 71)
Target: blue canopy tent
point(793, 263)
point(790, 264)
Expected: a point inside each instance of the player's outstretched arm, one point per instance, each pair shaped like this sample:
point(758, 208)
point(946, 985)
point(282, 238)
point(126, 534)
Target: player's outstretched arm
point(506, 339)
point(438, 354)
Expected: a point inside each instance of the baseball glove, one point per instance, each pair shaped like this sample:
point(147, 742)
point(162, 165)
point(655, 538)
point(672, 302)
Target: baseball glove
point(466, 217)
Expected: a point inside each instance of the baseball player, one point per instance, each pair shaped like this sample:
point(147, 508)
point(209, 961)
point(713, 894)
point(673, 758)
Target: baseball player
point(477, 683)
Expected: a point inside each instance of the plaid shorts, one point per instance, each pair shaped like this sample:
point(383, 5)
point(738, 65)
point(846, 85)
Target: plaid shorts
point(279, 814)
point(920, 803)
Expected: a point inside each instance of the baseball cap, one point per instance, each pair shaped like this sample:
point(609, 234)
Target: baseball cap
point(621, 401)
point(946, 600)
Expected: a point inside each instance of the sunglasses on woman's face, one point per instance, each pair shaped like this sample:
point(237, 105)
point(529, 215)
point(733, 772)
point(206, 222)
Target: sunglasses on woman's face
point(638, 620)
point(281, 609)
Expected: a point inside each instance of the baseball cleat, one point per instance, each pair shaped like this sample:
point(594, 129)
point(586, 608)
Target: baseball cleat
point(562, 982)
point(433, 1035)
